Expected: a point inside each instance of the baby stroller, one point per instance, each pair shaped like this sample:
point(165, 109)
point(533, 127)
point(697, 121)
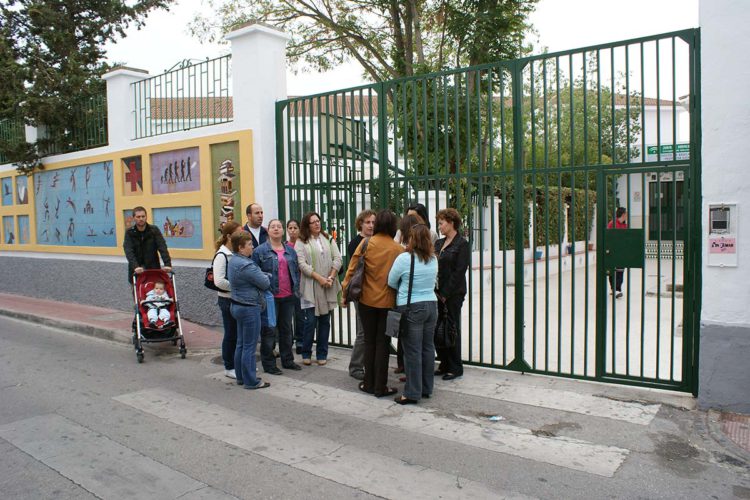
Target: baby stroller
point(159, 331)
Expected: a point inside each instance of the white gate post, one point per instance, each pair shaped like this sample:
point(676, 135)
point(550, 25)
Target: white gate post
point(258, 81)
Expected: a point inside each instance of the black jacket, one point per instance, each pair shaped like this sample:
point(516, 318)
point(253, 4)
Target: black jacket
point(263, 235)
point(452, 265)
point(141, 249)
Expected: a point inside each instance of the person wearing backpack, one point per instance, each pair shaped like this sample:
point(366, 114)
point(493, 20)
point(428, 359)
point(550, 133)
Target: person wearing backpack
point(219, 264)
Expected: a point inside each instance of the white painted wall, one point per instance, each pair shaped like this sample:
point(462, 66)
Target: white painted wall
point(725, 73)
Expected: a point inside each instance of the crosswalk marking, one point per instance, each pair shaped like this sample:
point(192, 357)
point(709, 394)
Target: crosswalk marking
point(485, 384)
point(370, 472)
point(101, 466)
point(497, 437)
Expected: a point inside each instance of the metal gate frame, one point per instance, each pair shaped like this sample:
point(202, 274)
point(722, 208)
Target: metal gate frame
point(355, 170)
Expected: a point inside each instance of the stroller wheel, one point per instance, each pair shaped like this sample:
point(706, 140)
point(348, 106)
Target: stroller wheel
point(183, 352)
point(139, 355)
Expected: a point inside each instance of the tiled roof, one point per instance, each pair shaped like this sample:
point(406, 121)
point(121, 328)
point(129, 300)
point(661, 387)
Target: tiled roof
point(185, 108)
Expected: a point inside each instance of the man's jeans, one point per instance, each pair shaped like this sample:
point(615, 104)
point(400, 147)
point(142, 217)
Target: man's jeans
point(248, 331)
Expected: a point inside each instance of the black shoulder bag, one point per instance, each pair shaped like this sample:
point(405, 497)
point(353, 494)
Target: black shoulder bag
point(397, 323)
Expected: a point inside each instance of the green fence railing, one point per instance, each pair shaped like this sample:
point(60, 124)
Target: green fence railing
point(189, 96)
point(536, 154)
point(87, 130)
point(12, 132)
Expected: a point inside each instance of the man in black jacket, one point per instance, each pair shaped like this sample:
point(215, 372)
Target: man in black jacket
point(142, 242)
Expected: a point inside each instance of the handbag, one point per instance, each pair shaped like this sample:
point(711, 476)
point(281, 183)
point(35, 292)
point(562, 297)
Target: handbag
point(445, 331)
point(353, 290)
point(397, 323)
point(208, 280)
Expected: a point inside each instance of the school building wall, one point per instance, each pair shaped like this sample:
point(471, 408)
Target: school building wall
point(62, 228)
point(725, 320)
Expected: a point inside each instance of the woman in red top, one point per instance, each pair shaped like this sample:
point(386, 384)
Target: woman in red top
point(615, 282)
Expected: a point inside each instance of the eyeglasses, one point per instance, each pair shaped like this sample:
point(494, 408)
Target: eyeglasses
point(317, 221)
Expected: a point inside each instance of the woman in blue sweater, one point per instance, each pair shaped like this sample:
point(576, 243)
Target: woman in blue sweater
point(247, 283)
point(418, 342)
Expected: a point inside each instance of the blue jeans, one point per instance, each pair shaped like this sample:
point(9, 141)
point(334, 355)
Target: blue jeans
point(229, 343)
point(323, 324)
point(248, 331)
point(419, 349)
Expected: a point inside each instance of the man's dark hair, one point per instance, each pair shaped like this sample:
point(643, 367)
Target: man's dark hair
point(385, 223)
point(138, 209)
point(421, 211)
point(249, 209)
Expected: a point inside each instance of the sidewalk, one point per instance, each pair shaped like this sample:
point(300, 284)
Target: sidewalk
point(98, 322)
point(730, 430)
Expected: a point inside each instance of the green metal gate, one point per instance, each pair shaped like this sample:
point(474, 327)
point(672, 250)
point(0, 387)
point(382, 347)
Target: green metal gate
point(536, 154)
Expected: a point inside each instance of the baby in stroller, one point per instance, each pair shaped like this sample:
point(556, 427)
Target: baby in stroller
point(157, 302)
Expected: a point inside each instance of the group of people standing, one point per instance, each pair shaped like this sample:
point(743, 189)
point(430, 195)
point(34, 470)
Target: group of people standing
point(276, 291)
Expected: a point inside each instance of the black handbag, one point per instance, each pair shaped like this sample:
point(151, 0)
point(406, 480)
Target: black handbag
point(445, 331)
point(353, 290)
point(397, 323)
point(208, 280)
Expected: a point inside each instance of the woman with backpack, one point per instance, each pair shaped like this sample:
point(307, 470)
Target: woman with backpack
point(220, 264)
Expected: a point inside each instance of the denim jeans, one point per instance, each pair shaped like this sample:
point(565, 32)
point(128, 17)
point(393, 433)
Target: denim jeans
point(229, 342)
point(283, 330)
point(248, 331)
point(419, 349)
point(312, 323)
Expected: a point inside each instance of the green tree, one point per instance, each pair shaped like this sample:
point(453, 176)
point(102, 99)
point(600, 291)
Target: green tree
point(52, 53)
point(389, 39)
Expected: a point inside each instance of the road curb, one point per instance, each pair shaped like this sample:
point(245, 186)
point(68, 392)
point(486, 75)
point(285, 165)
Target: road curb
point(119, 336)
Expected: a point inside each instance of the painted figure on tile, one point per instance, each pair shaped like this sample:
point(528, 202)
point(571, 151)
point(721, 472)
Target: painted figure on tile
point(106, 205)
point(55, 179)
point(46, 210)
point(72, 204)
point(44, 236)
point(73, 180)
point(71, 231)
point(107, 173)
point(58, 235)
point(87, 177)
point(88, 209)
point(57, 209)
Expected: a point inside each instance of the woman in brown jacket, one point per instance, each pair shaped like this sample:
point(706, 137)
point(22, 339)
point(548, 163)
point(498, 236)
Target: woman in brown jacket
point(376, 299)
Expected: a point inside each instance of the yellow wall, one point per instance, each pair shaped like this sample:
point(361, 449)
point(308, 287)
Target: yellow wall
point(203, 198)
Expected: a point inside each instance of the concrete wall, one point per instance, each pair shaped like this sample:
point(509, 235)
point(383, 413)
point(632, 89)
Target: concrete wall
point(725, 315)
point(101, 283)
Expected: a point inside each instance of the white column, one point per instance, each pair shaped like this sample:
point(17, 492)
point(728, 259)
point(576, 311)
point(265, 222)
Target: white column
point(120, 105)
point(258, 81)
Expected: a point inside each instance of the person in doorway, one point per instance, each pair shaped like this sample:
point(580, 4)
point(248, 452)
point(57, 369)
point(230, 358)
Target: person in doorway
point(365, 224)
point(615, 281)
point(280, 262)
point(143, 245)
point(254, 225)
point(453, 261)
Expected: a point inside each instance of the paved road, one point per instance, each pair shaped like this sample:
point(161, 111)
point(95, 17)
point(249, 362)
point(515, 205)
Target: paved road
point(80, 419)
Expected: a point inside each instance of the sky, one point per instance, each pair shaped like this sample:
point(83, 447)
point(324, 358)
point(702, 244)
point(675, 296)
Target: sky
point(560, 25)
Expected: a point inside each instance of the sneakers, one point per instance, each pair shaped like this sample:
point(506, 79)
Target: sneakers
point(618, 295)
point(306, 362)
point(322, 362)
point(359, 375)
point(230, 374)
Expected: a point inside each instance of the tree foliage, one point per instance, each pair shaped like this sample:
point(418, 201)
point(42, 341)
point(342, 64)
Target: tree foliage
point(388, 38)
point(51, 59)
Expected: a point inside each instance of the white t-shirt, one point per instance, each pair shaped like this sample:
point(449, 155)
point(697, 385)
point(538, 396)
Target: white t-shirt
point(256, 232)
